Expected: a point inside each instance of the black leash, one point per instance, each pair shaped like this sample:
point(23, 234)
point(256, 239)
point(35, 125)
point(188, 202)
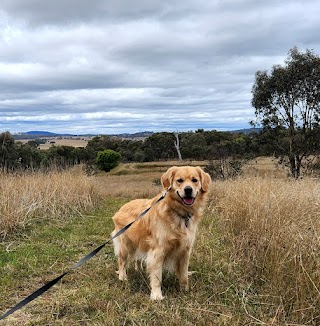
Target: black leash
point(50, 284)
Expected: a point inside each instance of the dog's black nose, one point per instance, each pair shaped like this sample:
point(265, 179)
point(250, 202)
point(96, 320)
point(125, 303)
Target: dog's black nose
point(188, 190)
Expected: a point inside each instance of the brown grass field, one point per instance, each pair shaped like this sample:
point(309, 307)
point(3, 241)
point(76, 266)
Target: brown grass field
point(62, 141)
point(256, 259)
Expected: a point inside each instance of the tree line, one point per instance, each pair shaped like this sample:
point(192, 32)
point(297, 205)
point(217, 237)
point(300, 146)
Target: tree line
point(198, 145)
point(193, 145)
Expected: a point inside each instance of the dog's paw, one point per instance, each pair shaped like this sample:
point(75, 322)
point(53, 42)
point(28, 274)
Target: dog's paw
point(185, 288)
point(192, 272)
point(156, 296)
point(122, 276)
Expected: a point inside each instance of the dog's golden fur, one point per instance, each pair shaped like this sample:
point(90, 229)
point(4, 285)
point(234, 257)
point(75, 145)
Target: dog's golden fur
point(164, 237)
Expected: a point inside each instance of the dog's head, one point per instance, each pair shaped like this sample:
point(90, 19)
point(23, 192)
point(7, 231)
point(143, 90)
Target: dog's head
point(186, 183)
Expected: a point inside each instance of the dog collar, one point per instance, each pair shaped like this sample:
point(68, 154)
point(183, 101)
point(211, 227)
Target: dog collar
point(186, 218)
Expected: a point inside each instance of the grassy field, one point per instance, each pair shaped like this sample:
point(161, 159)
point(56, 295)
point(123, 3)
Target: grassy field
point(255, 261)
point(62, 141)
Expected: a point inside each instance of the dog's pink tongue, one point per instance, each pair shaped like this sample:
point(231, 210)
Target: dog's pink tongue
point(188, 200)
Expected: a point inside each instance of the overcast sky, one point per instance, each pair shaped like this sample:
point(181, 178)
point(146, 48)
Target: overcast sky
point(119, 66)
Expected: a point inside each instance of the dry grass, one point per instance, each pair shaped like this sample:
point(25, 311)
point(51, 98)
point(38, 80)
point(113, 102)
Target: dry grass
point(265, 167)
point(273, 228)
point(256, 256)
point(128, 186)
point(61, 141)
point(68, 141)
point(52, 195)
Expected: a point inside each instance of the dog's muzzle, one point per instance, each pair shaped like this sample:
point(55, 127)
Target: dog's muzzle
point(188, 198)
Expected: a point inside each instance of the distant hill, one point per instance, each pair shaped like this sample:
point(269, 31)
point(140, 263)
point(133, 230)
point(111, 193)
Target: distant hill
point(246, 131)
point(47, 134)
point(39, 133)
point(143, 134)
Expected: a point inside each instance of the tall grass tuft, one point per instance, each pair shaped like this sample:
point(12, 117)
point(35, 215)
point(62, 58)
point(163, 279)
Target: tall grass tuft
point(54, 195)
point(273, 228)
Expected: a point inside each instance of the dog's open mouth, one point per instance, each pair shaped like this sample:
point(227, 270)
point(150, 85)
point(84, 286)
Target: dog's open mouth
point(188, 200)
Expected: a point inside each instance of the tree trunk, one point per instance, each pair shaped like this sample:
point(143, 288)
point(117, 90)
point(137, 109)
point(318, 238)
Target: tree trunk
point(177, 146)
point(295, 165)
point(292, 166)
point(292, 156)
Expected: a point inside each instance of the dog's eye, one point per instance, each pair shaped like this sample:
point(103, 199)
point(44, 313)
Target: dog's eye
point(194, 180)
point(180, 180)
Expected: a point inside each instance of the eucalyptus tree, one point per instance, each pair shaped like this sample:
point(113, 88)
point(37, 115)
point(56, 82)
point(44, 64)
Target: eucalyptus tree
point(289, 98)
point(8, 155)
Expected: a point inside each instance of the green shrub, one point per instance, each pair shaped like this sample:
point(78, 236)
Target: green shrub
point(107, 160)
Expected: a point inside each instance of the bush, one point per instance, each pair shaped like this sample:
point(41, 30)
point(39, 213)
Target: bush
point(224, 169)
point(107, 160)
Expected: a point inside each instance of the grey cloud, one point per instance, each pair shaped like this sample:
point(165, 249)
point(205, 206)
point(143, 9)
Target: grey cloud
point(76, 65)
point(38, 12)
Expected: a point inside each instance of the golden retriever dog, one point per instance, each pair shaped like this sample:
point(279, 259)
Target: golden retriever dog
point(164, 237)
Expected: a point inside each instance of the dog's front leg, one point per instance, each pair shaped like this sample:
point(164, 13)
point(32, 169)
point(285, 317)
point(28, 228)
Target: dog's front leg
point(182, 269)
point(154, 267)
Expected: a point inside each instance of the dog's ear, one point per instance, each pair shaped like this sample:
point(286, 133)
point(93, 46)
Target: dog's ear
point(167, 177)
point(205, 179)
